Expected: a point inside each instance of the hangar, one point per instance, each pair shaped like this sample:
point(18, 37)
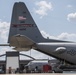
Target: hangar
point(12, 59)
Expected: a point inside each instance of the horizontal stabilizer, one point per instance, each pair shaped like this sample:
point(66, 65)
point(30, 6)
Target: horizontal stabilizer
point(22, 49)
point(4, 45)
point(60, 50)
point(21, 41)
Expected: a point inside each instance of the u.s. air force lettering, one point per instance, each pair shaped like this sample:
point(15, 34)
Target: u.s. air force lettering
point(72, 52)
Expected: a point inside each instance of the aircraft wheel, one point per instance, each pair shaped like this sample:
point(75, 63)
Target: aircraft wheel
point(58, 71)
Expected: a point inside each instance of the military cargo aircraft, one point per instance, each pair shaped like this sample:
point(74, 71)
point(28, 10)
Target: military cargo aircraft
point(25, 35)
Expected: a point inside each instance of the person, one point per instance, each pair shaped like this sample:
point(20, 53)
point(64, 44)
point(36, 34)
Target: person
point(36, 69)
point(27, 69)
point(17, 70)
point(9, 70)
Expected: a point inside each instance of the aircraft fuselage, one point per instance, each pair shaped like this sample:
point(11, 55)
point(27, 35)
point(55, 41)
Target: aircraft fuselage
point(64, 51)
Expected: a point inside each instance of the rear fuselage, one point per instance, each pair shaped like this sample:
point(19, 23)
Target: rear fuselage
point(50, 48)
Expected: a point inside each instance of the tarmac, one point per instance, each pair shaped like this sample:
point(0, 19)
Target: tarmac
point(40, 74)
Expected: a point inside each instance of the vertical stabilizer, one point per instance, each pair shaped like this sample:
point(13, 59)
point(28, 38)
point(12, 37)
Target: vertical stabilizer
point(22, 23)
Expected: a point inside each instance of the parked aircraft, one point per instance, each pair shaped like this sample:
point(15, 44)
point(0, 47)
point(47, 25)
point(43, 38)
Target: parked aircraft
point(25, 35)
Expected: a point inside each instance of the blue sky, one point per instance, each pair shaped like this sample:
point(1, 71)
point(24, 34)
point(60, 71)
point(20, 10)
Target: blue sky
point(55, 18)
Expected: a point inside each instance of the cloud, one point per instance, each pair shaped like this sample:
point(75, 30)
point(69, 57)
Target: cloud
point(62, 36)
point(5, 49)
point(4, 28)
point(67, 36)
point(71, 17)
point(69, 6)
point(43, 8)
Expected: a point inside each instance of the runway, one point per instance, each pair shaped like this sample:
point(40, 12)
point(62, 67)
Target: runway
point(40, 74)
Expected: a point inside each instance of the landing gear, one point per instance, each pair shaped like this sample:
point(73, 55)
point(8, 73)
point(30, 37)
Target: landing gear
point(57, 70)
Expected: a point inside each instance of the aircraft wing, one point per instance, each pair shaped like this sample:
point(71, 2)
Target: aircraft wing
point(60, 50)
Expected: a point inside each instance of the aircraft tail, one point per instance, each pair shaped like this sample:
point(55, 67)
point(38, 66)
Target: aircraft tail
point(22, 23)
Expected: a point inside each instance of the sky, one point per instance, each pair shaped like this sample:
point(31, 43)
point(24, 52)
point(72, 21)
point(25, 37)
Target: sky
point(55, 19)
